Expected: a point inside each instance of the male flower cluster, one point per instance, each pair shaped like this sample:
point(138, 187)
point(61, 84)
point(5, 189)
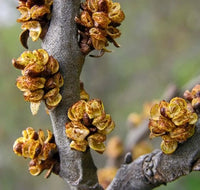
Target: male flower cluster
point(98, 24)
point(173, 121)
point(39, 149)
point(40, 80)
point(89, 125)
point(35, 16)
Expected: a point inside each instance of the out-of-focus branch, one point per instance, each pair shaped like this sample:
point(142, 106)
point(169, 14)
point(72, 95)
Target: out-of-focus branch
point(156, 168)
point(61, 42)
point(190, 84)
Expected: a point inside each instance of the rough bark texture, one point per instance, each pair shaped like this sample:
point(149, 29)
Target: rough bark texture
point(156, 168)
point(76, 168)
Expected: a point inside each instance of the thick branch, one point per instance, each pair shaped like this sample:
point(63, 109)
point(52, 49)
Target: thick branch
point(60, 41)
point(156, 168)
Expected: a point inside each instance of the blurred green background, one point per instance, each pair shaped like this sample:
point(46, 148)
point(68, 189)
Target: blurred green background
point(160, 44)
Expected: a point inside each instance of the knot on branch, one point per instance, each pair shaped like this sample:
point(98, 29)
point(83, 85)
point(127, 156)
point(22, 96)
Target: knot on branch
point(150, 165)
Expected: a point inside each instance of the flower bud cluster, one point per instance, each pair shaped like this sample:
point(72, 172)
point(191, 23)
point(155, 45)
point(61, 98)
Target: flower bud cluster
point(89, 125)
point(98, 24)
point(39, 149)
point(194, 97)
point(174, 121)
point(115, 148)
point(106, 175)
point(135, 119)
point(40, 80)
point(35, 16)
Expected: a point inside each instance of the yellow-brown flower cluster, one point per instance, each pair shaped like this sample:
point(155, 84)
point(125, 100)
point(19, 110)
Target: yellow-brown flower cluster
point(173, 121)
point(40, 80)
point(106, 175)
point(115, 148)
point(98, 24)
point(141, 148)
point(35, 16)
point(194, 97)
point(89, 125)
point(42, 151)
point(135, 119)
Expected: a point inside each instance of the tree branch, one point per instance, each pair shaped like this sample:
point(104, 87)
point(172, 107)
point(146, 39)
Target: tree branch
point(156, 168)
point(77, 168)
point(61, 42)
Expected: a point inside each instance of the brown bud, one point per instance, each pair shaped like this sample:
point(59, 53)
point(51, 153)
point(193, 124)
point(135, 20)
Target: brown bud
point(17, 148)
point(188, 95)
point(86, 120)
point(56, 81)
point(35, 167)
point(48, 150)
point(18, 64)
point(52, 65)
point(103, 5)
point(33, 70)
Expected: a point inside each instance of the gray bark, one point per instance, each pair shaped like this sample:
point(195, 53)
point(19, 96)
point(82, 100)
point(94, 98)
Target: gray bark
point(61, 42)
point(77, 168)
point(156, 168)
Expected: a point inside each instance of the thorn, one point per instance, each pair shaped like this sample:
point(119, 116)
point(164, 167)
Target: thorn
point(128, 158)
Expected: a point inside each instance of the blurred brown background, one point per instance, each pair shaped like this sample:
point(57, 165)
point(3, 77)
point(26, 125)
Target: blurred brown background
point(160, 44)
